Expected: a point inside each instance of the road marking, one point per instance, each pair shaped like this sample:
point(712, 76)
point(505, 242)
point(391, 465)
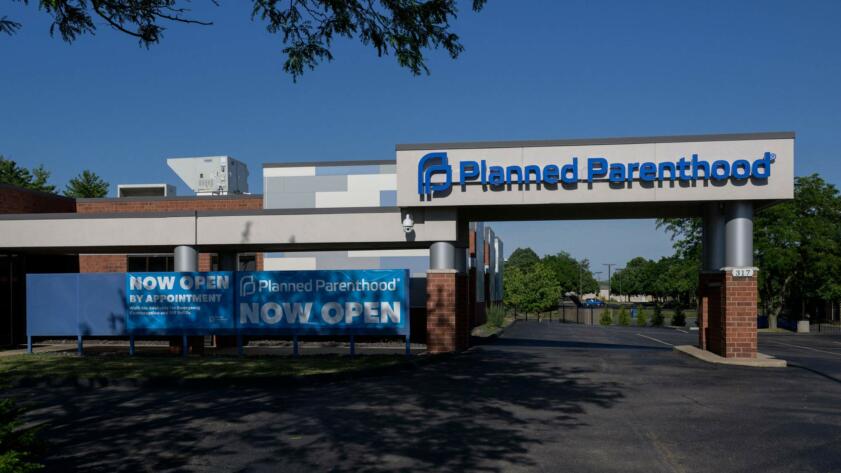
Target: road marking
point(806, 348)
point(655, 339)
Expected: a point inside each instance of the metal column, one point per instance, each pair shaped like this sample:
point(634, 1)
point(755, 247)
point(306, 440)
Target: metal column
point(739, 235)
point(442, 255)
point(186, 259)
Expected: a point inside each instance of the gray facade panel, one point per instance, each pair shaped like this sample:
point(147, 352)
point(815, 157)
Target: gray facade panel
point(346, 170)
point(289, 200)
point(388, 198)
point(305, 184)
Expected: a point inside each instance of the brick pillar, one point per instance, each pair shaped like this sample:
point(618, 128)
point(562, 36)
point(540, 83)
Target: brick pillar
point(739, 297)
point(728, 311)
point(446, 311)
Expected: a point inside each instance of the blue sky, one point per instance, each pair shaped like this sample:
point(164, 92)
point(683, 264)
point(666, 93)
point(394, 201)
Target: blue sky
point(531, 70)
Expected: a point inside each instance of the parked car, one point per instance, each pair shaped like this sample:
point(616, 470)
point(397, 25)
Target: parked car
point(593, 303)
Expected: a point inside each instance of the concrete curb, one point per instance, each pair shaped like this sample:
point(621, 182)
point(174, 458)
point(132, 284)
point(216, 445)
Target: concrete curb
point(761, 360)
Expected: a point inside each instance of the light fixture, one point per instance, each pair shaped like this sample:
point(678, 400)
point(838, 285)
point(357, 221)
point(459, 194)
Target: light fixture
point(408, 224)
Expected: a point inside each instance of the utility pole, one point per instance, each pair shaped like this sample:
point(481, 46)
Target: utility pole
point(609, 267)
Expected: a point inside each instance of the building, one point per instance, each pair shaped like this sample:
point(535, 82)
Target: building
point(437, 198)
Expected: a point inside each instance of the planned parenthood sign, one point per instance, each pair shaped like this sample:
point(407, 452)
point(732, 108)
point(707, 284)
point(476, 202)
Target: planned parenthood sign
point(323, 302)
point(268, 302)
point(179, 303)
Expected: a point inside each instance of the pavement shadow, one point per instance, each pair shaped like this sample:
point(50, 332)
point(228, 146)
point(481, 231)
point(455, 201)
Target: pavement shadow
point(535, 343)
point(475, 411)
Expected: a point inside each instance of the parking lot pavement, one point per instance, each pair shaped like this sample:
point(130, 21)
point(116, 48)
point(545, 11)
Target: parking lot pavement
point(543, 397)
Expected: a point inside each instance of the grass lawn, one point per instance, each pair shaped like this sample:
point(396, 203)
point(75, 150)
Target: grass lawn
point(15, 368)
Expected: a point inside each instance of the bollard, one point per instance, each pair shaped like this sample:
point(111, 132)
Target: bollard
point(79, 347)
point(131, 345)
point(352, 346)
point(184, 347)
point(408, 346)
point(295, 344)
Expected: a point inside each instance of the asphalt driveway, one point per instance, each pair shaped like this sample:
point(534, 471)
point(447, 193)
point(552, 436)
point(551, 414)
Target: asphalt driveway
point(544, 397)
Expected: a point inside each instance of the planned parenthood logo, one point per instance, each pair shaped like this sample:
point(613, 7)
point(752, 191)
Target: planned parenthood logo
point(247, 286)
point(432, 164)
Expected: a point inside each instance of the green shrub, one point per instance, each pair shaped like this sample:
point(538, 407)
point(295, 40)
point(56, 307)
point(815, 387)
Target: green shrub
point(624, 317)
point(606, 318)
point(642, 318)
point(658, 320)
point(496, 316)
point(678, 319)
point(18, 446)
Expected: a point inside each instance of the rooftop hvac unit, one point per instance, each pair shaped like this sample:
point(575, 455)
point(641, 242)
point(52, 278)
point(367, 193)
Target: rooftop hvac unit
point(213, 175)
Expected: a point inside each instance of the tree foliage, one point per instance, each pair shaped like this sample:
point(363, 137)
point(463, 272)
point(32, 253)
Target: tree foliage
point(570, 274)
point(523, 259)
point(532, 290)
point(86, 185)
point(798, 248)
point(307, 28)
point(34, 179)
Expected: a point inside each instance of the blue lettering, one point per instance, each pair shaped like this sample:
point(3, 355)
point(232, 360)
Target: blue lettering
point(496, 176)
point(722, 166)
point(765, 163)
point(617, 172)
point(648, 172)
point(663, 167)
point(596, 167)
point(569, 172)
point(740, 169)
point(551, 174)
point(533, 170)
point(468, 171)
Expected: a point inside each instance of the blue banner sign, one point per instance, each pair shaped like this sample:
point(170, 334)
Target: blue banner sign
point(179, 303)
point(324, 302)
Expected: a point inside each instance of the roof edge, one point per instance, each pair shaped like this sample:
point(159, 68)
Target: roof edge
point(362, 162)
point(774, 135)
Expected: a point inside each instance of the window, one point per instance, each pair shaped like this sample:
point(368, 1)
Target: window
point(151, 263)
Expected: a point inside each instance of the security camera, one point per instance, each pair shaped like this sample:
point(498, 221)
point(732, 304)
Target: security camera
point(408, 224)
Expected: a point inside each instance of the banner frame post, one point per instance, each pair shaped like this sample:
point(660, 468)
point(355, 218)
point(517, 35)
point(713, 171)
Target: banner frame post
point(295, 351)
point(131, 345)
point(184, 347)
point(79, 346)
point(29, 344)
point(352, 345)
point(240, 351)
point(408, 346)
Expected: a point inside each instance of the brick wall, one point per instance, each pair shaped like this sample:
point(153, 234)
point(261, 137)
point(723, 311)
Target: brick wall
point(103, 263)
point(15, 199)
point(204, 261)
point(106, 263)
point(171, 204)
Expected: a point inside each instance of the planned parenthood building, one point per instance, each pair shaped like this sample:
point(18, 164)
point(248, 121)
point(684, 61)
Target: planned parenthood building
point(427, 213)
